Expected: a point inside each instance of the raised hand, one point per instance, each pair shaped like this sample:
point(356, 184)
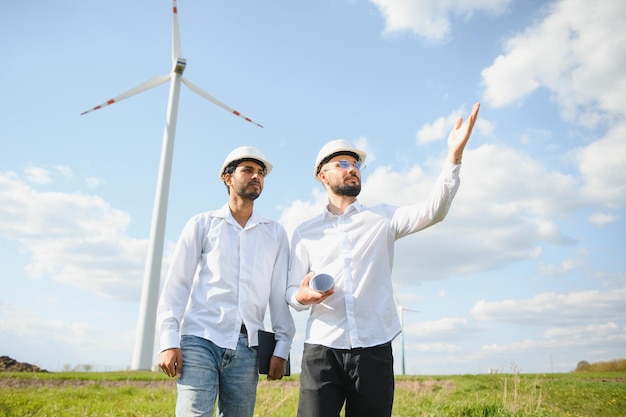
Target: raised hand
point(460, 135)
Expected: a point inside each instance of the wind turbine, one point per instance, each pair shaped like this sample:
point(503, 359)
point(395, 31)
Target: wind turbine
point(142, 356)
point(401, 310)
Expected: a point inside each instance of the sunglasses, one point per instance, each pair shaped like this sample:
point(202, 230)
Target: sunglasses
point(345, 164)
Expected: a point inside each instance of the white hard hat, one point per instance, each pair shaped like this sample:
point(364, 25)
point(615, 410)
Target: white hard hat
point(332, 148)
point(245, 152)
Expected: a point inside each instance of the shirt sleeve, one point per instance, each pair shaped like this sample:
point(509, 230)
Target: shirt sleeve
point(412, 218)
point(178, 283)
point(282, 321)
point(298, 268)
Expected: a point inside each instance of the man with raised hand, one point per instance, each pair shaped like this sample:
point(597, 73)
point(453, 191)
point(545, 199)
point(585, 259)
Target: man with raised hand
point(347, 354)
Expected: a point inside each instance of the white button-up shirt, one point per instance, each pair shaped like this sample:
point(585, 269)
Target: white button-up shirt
point(357, 248)
point(223, 275)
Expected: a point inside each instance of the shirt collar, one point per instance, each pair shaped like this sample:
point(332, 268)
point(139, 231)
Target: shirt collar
point(356, 207)
point(224, 213)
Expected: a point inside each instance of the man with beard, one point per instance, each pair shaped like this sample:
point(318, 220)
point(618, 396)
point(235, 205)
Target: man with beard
point(228, 266)
point(347, 354)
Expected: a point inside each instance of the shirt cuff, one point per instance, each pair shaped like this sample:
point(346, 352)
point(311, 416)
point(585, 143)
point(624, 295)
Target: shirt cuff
point(169, 340)
point(282, 349)
point(293, 302)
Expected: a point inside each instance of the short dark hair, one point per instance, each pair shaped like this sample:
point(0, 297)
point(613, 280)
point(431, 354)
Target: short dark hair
point(332, 155)
point(230, 168)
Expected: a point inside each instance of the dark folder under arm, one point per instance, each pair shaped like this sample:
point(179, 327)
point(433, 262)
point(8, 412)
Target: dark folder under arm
point(267, 343)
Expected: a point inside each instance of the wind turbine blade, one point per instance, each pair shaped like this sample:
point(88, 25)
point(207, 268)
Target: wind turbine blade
point(213, 100)
point(176, 51)
point(151, 83)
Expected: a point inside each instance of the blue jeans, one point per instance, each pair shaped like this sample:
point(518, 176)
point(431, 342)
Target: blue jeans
point(211, 372)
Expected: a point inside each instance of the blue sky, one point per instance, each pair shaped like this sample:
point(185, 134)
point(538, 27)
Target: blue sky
point(526, 272)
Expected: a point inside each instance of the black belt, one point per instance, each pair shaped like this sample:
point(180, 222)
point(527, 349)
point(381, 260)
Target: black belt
point(243, 329)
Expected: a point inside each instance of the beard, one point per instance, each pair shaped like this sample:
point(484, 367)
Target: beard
point(246, 194)
point(347, 190)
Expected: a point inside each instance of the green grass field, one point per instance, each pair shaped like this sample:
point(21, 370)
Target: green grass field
point(588, 394)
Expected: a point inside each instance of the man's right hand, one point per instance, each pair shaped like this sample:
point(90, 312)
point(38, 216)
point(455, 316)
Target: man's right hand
point(171, 362)
point(307, 295)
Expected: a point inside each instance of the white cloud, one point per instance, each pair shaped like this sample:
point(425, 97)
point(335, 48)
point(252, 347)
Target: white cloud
point(601, 164)
point(362, 143)
point(431, 19)
point(576, 52)
point(93, 182)
point(606, 331)
point(436, 347)
point(38, 175)
point(299, 211)
point(564, 267)
point(65, 171)
point(555, 348)
point(448, 327)
point(565, 346)
point(502, 215)
point(441, 128)
point(73, 341)
point(602, 219)
point(73, 238)
point(508, 181)
point(23, 323)
point(555, 308)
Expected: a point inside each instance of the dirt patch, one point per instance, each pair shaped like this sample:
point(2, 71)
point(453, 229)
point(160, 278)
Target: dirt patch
point(18, 382)
point(278, 384)
point(425, 386)
point(416, 386)
point(8, 364)
point(616, 379)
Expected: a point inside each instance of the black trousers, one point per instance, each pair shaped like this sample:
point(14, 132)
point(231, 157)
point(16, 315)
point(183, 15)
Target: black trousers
point(362, 378)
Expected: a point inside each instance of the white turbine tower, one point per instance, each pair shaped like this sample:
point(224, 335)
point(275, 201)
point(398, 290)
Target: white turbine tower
point(142, 356)
point(401, 310)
